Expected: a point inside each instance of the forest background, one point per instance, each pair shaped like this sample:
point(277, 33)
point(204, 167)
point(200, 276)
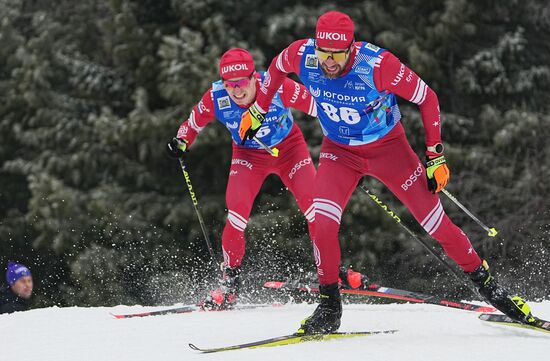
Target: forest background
point(91, 91)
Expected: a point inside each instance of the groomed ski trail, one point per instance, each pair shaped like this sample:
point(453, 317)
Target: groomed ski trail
point(426, 332)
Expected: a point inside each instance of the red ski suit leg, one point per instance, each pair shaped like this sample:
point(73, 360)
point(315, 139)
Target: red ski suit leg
point(297, 172)
point(246, 175)
point(249, 168)
point(394, 163)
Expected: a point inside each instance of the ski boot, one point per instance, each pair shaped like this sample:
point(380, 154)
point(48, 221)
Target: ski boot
point(224, 297)
point(349, 279)
point(327, 315)
point(512, 306)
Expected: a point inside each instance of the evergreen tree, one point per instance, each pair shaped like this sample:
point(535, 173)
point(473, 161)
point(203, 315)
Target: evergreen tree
point(91, 92)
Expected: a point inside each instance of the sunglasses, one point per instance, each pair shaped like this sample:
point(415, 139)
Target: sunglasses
point(337, 56)
point(237, 83)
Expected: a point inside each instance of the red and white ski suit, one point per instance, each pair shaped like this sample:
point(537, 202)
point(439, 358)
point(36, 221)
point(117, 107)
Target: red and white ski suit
point(250, 167)
point(389, 159)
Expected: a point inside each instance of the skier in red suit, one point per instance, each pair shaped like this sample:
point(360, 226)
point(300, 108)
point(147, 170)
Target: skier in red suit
point(355, 84)
point(225, 101)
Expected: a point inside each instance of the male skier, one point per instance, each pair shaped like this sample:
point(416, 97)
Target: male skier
point(226, 101)
point(355, 84)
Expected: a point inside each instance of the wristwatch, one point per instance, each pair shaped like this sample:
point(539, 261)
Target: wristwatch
point(437, 148)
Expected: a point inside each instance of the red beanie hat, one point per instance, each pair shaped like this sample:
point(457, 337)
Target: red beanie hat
point(334, 30)
point(236, 63)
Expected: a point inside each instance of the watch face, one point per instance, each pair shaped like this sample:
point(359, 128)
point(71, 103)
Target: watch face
point(436, 148)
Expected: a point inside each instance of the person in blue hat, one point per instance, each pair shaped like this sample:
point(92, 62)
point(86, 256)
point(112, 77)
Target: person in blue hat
point(16, 296)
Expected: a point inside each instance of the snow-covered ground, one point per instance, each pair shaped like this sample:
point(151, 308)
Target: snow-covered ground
point(425, 333)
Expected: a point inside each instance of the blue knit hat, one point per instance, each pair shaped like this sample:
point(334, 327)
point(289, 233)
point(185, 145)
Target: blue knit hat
point(16, 271)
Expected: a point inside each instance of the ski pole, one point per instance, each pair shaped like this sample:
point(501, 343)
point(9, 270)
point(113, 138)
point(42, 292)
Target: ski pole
point(195, 205)
point(490, 231)
point(273, 151)
point(396, 218)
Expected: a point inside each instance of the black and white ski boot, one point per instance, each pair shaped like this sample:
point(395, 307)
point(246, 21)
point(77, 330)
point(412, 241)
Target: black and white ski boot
point(349, 279)
point(224, 297)
point(327, 315)
point(512, 306)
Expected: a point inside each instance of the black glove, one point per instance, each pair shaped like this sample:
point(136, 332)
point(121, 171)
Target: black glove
point(176, 148)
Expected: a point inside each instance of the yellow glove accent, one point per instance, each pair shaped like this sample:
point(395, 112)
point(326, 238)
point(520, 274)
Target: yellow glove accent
point(251, 120)
point(438, 173)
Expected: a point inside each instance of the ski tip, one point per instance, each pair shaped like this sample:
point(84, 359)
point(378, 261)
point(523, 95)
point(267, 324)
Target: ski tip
point(116, 316)
point(193, 347)
point(485, 316)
